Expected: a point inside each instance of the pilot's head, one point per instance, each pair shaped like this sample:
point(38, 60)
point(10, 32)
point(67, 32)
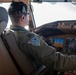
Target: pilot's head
point(18, 13)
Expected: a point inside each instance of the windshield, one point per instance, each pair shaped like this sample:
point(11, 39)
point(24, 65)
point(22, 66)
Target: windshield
point(47, 12)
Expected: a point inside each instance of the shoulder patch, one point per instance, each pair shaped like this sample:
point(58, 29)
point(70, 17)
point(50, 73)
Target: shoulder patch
point(34, 41)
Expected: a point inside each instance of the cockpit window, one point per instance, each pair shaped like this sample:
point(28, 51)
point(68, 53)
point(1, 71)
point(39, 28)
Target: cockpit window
point(47, 12)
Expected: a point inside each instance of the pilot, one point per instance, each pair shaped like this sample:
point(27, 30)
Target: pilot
point(33, 45)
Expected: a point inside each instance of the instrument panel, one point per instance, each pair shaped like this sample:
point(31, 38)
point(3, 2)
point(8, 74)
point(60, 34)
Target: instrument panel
point(62, 36)
point(63, 43)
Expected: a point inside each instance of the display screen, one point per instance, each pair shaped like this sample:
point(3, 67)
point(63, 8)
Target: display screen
point(70, 45)
point(58, 42)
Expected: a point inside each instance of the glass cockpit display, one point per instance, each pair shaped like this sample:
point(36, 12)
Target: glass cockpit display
point(58, 42)
point(71, 45)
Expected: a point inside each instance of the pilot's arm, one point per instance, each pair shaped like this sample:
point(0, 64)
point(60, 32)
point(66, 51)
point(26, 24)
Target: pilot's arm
point(48, 55)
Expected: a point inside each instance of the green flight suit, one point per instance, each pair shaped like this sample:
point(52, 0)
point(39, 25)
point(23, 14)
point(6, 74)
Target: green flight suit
point(32, 45)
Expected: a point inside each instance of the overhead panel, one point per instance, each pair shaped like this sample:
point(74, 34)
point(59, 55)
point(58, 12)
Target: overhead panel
point(25, 1)
point(7, 0)
point(52, 0)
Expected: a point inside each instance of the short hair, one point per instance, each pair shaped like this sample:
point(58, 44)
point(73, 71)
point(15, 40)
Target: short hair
point(16, 10)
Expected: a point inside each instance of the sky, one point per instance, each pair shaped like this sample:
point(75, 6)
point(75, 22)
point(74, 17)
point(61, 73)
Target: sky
point(50, 12)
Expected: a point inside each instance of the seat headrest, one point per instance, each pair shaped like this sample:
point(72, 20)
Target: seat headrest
point(3, 18)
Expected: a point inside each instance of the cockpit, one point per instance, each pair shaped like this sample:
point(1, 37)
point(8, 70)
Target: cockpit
point(55, 22)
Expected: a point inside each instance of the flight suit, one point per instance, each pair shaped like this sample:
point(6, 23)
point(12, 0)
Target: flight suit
point(33, 46)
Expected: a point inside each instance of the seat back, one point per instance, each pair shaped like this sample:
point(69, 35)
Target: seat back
point(22, 62)
point(7, 67)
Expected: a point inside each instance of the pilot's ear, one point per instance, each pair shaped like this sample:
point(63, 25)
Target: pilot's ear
point(22, 17)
